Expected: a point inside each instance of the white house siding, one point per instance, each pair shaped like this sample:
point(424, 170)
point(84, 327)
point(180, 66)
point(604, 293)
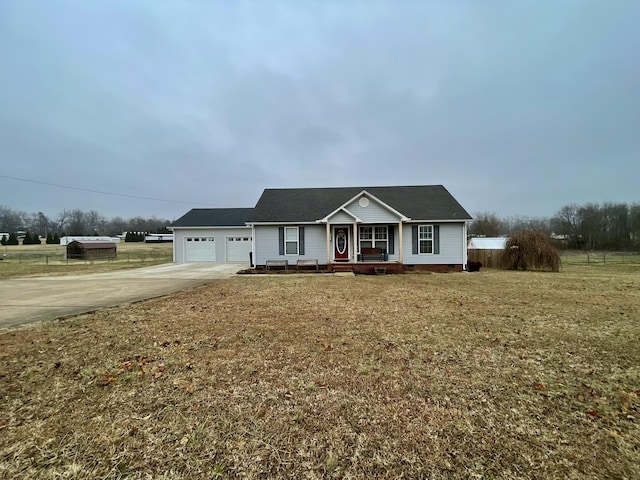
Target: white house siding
point(452, 246)
point(372, 213)
point(267, 244)
point(220, 234)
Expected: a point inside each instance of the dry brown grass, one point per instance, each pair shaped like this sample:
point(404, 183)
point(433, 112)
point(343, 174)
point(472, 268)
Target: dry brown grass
point(497, 374)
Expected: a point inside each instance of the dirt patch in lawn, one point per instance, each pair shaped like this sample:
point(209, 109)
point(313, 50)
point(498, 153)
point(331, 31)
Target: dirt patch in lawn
point(487, 375)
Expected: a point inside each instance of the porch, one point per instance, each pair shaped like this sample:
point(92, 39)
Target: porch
point(367, 268)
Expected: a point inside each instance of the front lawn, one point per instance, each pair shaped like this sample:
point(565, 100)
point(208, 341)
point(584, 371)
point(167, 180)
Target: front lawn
point(485, 375)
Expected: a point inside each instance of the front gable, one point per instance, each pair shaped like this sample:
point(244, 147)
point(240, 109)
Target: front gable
point(343, 215)
point(365, 208)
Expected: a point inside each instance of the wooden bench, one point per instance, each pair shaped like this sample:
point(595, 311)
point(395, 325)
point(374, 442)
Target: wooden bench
point(277, 263)
point(371, 254)
point(312, 262)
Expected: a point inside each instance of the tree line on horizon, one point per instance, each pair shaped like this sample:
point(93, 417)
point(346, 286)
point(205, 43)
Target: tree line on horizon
point(592, 226)
point(75, 222)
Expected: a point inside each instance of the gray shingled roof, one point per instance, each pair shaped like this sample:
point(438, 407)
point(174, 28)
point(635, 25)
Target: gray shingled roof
point(428, 202)
point(213, 217)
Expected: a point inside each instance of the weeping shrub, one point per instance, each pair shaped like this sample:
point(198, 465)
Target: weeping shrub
point(530, 250)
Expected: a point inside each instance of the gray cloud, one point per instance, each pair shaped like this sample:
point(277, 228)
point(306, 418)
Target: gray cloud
point(517, 107)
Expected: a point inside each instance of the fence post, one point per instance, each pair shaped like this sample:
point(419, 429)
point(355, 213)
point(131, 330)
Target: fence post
point(604, 258)
point(46, 259)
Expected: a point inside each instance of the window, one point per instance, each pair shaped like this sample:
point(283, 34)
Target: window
point(425, 239)
point(377, 237)
point(291, 240)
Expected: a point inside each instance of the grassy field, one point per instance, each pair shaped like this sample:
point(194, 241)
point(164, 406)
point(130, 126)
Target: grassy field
point(30, 260)
point(493, 374)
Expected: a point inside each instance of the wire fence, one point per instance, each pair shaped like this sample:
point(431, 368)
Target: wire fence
point(600, 258)
point(60, 258)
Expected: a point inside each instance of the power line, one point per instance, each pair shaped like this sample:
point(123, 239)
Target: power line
point(101, 192)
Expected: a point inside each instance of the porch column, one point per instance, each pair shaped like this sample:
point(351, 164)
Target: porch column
point(355, 242)
point(328, 243)
point(400, 259)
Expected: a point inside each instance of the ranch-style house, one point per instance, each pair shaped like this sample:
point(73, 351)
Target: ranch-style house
point(358, 229)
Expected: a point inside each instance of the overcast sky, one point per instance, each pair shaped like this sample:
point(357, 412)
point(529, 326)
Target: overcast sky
point(517, 107)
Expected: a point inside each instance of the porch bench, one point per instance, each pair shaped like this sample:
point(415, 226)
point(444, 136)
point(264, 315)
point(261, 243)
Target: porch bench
point(277, 263)
point(371, 255)
point(312, 262)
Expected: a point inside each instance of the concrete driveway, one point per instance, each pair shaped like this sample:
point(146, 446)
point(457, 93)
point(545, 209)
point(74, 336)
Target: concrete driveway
point(24, 300)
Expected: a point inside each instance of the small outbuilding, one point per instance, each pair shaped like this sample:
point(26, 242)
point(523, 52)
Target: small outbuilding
point(91, 250)
point(486, 250)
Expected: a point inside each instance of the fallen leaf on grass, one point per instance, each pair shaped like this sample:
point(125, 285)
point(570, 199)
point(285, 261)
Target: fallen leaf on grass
point(107, 378)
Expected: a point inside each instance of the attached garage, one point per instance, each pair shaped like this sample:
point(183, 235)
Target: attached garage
point(200, 249)
point(212, 235)
point(238, 249)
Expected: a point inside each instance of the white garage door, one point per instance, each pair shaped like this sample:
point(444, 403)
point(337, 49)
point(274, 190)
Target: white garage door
point(200, 249)
point(238, 249)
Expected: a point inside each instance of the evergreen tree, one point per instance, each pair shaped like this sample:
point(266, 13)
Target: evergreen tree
point(49, 240)
point(56, 239)
point(27, 238)
point(12, 240)
point(4, 240)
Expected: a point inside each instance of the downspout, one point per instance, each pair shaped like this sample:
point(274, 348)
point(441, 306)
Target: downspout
point(253, 246)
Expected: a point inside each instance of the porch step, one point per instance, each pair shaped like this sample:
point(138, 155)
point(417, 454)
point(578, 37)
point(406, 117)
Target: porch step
point(344, 274)
point(342, 268)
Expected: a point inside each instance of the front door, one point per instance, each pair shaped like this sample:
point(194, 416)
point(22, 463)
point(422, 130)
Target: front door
point(341, 244)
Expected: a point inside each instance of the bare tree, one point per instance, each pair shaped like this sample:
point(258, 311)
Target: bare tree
point(62, 220)
point(11, 220)
point(519, 223)
point(77, 222)
point(529, 249)
point(94, 222)
point(567, 222)
point(634, 225)
point(487, 224)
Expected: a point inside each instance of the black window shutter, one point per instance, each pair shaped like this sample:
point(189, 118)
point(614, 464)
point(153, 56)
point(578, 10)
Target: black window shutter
point(391, 240)
point(301, 240)
point(436, 239)
point(414, 239)
point(281, 239)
